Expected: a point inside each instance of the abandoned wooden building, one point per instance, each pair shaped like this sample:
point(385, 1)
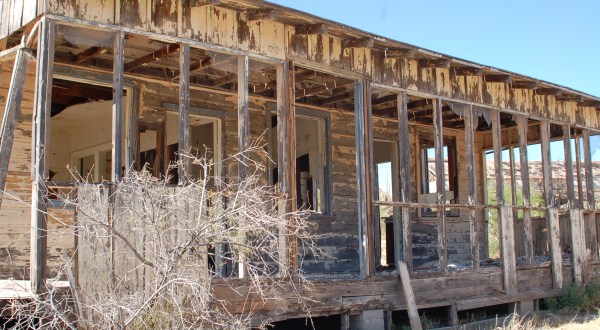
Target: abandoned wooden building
point(482, 181)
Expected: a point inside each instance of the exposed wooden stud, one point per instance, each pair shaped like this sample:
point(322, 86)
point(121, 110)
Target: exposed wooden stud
point(385, 99)
point(500, 78)
point(470, 126)
point(260, 15)
point(184, 166)
point(132, 146)
point(358, 43)
point(401, 53)
point(453, 315)
point(243, 133)
point(227, 79)
point(438, 127)
point(589, 177)
point(12, 113)
point(338, 98)
point(466, 71)
point(286, 155)
point(151, 57)
point(41, 123)
point(434, 63)
point(522, 127)
point(524, 85)
point(321, 89)
point(89, 53)
point(409, 297)
point(362, 117)
point(117, 108)
point(403, 248)
point(312, 29)
point(552, 211)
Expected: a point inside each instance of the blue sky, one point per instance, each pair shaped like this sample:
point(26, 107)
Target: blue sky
point(556, 41)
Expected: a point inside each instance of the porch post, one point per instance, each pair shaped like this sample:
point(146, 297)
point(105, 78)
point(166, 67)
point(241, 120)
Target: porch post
point(184, 113)
point(522, 127)
point(117, 108)
point(403, 230)
point(243, 132)
point(438, 142)
point(470, 126)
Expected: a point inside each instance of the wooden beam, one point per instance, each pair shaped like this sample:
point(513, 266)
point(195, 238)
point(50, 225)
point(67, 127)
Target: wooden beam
point(117, 113)
point(151, 57)
point(548, 91)
point(409, 297)
point(312, 29)
point(320, 89)
point(589, 174)
point(403, 230)
point(202, 3)
point(434, 63)
point(41, 126)
point(565, 97)
point(438, 141)
point(552, 211)
point(522, 128)
point(385, 99)
point(227, 79)
point(338, 98)
point(12, 112)
point(89, 53)
point(364, 155)
point(401, 53)
point(358, 43)
point(501, 78)
point(466, 71)
point(524, 85)
point(286, 164)
point(470, 126)
point(260, 15)
point(184, 166)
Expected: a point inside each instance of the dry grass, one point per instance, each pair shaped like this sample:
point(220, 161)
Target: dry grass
point(547, 322)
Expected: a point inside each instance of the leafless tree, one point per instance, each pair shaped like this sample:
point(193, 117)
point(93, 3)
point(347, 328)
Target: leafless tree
point(148, 254)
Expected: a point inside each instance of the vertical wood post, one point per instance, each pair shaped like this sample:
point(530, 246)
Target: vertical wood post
point(578, 257)
point(11, 113)
point(132, 147)
point(286, 158)
point(184, 114)
point(589, 174)
point(243, 133)
point(522, 127)
point(41, 123)
point(404, 248)
point(471, 123)
point(117, 108)
point(552, 211)
point(505, 213)
point(438, 133)
point(364, 158)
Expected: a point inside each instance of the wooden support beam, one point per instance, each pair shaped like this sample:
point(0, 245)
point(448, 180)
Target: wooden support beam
point(12, 112)
point(548, 91)
point(151, 57)
point(403, 231)
point(260, 15)
point(505, 215)
point(364, 156)
point(438, 133)
point(132, 145)
point(89, 53)
point(202, 3)
point(409, 297)
point(524, 85)
point(184, 166)
point(243, 118)
point(434, 63)
point(312, 29)
point(466, 71)
point(500, 78)
point(358, 43)
point(117, 108)
point(589, 174)
point(338, 98)
point(566, 97)
point(227, 79)
point(41, 126)
point(401, 53)
point(522, 128)
point(385, 99)
point(552, 211)
point(470, 126)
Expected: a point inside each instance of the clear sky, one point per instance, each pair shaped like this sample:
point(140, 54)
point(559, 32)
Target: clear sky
point(556, 41)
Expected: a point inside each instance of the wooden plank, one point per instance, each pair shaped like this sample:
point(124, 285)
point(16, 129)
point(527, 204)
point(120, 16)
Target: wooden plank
point(286, 155)
point(362, 120)
point(522, 127)
point(409, 296)
point(470, 126)
point(11, 113)
point(403, 248)
point(243, 124)
point(578, 250)
point(509, 262)
point(41, 123)
point(117, 109)
point(441, 189)
point(132, 146)
point(184, 167)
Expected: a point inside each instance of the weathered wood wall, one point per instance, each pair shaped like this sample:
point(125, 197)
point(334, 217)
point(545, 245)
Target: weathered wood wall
point(16, 13)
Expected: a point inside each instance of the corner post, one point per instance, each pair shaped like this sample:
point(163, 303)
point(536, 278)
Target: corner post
point(438, 142)
point(403, 230)
point(41, 123)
